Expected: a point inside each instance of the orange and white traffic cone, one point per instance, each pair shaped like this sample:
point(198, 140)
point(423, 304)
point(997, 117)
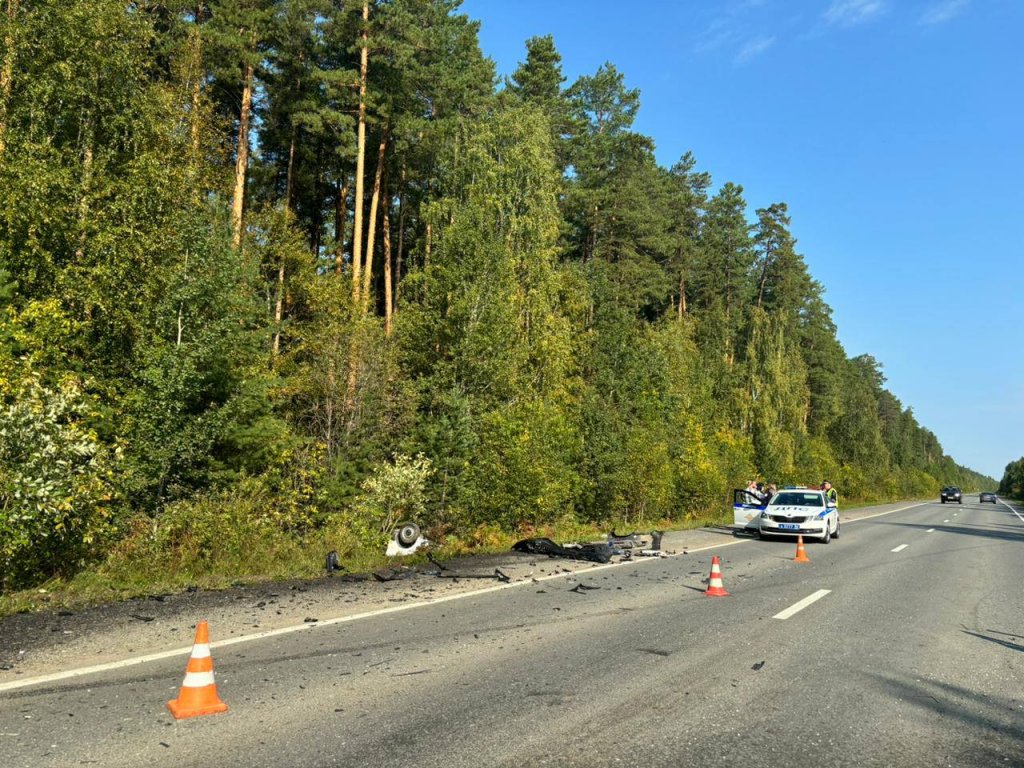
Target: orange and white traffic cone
point(715, 586)
point(801, 553)
point(198, 693)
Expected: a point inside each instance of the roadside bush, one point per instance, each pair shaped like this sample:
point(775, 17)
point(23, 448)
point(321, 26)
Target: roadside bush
point(56, 483)
point(394, 492)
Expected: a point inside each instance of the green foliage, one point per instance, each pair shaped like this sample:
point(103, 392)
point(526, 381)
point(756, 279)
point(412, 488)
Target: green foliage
point(56, 482)
point(1012, 484)
point(394, 492)
point(577, 335)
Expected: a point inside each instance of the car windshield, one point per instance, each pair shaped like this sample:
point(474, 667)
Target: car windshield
point(798, 499)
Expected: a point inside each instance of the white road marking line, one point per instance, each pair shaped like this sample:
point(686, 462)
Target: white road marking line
point(945, 521)
point(135, 660)
point(900, 548)
point(1012, 510)
point(893, 511)
point(797, 607)
point(930, 530)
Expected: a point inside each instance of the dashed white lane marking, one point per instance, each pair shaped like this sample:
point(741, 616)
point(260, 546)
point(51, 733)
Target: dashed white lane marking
point(797, 607)
point(930, 530)
point(900, 548)
point(945, 521)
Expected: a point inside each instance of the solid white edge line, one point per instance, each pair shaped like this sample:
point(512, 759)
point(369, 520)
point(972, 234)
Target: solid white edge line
point(900, 548)
point(799, 606)
point(135, 660)
point(1008, 506)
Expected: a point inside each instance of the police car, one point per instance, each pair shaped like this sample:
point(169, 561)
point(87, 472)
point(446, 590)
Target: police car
point(799, 511)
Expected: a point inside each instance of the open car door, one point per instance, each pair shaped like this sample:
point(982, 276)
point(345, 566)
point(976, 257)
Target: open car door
point(745, 509)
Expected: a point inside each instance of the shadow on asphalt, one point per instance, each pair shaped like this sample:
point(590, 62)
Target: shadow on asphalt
point(996, 640)
point(1013, 533)
point(964, 706)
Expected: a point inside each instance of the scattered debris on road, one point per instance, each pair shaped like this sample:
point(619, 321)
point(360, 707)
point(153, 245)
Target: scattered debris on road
point(444, 572)
point(596, 553)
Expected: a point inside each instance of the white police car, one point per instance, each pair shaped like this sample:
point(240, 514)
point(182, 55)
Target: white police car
point(799, 511)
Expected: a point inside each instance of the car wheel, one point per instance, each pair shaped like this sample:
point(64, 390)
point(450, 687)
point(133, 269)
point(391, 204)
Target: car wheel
point(407, 534)
point(835, 533)
point(828, 535)
point(959, 501)
point(943, 501)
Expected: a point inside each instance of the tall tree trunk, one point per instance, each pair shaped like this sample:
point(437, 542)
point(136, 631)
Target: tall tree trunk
point(318, 212)
point(279, 308)
point(357, 229)
point(181, 310)
point(83, 199)
point(290, 175)
point(340, 220)
point(195, 74)
point(7, 70)
point(762, 282)
point(357, 223)
point(682, 297)
point(371, 229)
point(426, 246)
point(242, 155)
point(401, 246)
point(386, 233)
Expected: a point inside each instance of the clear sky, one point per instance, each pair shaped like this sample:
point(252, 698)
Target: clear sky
point(893, 129)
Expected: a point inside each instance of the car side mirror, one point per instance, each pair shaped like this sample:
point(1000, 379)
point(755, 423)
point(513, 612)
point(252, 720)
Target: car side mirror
point(832, 505)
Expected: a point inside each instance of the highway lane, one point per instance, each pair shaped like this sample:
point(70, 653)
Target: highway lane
point(913, 657)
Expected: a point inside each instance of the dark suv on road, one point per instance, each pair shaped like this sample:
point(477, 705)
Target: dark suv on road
point(951, 493)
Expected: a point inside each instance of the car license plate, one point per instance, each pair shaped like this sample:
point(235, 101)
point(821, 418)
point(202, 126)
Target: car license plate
point(789, 526)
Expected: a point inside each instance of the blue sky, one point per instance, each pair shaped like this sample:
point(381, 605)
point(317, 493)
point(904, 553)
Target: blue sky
point(893, 129)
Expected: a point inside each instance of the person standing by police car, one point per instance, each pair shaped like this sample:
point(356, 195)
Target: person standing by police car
point(831, 495)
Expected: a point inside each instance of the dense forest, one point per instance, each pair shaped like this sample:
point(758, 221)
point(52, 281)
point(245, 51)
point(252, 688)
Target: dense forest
point(288, 271)
point(1012, 484)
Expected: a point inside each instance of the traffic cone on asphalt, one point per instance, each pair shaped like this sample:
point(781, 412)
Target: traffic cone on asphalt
point(715, 586)
point(801, 553)
point(198, 693)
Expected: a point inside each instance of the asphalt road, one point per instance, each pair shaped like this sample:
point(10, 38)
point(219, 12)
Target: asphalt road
point(912, 658)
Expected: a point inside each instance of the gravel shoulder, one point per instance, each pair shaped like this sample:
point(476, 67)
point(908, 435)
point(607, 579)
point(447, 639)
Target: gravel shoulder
point(34, 644)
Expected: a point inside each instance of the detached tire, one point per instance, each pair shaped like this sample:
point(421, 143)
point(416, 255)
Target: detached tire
point(407, 534)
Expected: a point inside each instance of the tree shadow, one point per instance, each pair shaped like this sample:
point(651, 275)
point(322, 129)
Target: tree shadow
point(993, 716)
point(998, 641)
point(993, 531)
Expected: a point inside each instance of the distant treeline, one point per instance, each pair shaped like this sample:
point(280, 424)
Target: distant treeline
point(312, 259)
point(1012, 484)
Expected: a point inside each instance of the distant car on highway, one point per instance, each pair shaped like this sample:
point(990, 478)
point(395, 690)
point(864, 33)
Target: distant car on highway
point(951, 493)
point(987, 496)
point(799, 512)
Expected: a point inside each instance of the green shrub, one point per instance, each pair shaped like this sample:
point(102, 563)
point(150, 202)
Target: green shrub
point(56, 483)
point(394, 492)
